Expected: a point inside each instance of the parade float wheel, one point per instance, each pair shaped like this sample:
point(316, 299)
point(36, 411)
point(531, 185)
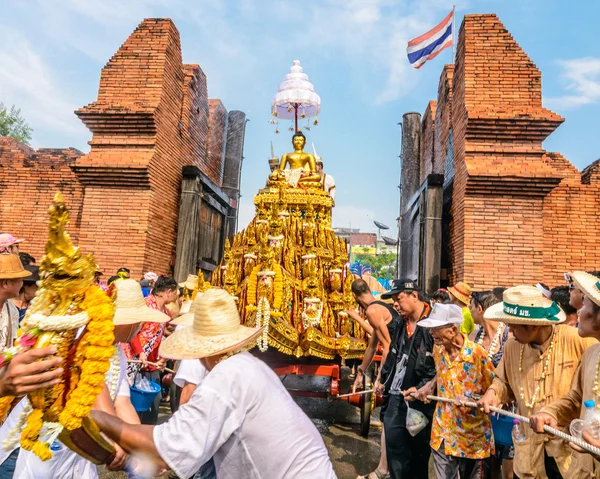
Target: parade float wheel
point(366, 406)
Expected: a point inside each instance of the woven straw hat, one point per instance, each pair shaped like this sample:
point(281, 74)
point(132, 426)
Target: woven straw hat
point(462, 292)
point(190, 283)
point(186, 315)
point(11, 267)
point(130, 307)
point(589, 284)
point(525, 305)
point(216, 329)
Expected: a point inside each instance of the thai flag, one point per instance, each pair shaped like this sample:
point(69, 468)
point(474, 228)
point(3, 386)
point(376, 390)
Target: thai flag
point(430, 44)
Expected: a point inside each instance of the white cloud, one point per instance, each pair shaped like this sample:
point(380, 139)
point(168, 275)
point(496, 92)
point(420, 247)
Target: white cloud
point(371, 34)
point(25, 76)
point(583, 76)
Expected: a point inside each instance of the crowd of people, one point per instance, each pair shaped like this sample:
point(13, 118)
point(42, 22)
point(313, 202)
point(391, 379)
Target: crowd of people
point(532, 349)
point(228, 422)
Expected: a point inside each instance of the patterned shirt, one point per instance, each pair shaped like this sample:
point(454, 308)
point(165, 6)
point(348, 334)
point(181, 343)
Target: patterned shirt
point(496, 357)
point(466, 432)
point(149, 337)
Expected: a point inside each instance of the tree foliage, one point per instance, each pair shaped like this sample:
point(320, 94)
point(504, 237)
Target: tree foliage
point(382, 264)
point(12, 124)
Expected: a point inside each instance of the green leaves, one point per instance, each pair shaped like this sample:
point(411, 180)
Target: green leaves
point(12, 124)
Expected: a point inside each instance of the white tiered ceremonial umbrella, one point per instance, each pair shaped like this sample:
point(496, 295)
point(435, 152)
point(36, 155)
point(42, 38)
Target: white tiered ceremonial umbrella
point(296, 97)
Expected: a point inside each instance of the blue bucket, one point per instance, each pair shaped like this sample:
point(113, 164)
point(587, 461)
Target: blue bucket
point(502, 427)
point(142, 400)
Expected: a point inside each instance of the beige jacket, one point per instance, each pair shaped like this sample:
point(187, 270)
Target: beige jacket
point(509, 383)
point(570, 407)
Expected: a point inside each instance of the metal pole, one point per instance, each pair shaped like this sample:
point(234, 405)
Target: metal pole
point(296, 116)
point(398, 249)
point(453, 33)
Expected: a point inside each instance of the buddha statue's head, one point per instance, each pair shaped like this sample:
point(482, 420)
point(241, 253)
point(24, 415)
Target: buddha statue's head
point(298, 140)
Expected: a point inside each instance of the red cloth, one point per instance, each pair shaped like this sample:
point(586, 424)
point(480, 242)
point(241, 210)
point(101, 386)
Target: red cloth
point(149, 337)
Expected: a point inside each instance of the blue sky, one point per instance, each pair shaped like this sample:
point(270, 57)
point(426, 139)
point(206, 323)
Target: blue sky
point(51, 54)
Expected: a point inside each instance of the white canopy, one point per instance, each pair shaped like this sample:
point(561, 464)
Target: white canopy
point(294, 90)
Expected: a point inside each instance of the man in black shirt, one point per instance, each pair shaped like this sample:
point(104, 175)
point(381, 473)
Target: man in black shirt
point(409, 364)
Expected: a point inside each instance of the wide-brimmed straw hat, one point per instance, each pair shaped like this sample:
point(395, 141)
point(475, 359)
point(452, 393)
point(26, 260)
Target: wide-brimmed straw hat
point(186, 314)
point(190, 283)
point(588, 283)
point(216, 329)
point(525, 305)
point(11, 267)
point(462, 292)
point(130, 307)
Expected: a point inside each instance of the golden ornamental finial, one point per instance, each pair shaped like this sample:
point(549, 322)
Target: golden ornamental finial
point(65, 272)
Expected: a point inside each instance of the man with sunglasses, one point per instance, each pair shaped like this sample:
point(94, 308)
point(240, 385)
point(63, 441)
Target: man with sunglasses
point(409, 364)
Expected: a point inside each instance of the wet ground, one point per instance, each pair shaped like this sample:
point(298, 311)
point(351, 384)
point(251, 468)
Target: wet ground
point(337, 421)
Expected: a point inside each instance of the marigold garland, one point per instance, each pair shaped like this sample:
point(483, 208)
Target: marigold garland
point(252, 286)
point(98, 336)
point(31, 432)
point(5, 403)
point(277, 288)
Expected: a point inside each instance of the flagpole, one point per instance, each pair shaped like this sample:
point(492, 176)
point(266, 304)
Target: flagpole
point(453, 33)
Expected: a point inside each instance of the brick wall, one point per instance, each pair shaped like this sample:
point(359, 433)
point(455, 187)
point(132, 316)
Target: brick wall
point(29, 180)
point(427, 140)
point(443, 122)
point(518, 214)
point(150, 120)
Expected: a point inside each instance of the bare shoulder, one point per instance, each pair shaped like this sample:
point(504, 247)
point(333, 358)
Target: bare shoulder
point(377, 312)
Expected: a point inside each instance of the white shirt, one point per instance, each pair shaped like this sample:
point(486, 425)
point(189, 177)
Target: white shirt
point(65, 463)
point(330, 185)
point(242, 416)
point(190, 371)
point(9, 324)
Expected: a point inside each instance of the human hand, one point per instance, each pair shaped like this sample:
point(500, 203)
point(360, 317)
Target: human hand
point(541, 419)
point(487, 400)
point(30, 371)
point(120, 460)
point(410, 394)
point(161, 364)
point(587, 437)
point(358, 381)
point(144, 359)
point(460, 400)
point(378, 387)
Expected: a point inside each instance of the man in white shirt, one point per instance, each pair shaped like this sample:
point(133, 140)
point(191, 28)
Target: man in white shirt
point(326, 180)
point(241, 414)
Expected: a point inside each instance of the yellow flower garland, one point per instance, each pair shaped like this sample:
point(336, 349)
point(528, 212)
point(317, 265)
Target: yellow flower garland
point(97, 345)
point(252, 285)
point(5, 403)
point(277, 292)
point(100, 338)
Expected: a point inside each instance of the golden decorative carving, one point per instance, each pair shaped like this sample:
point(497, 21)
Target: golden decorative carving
point(291, 233)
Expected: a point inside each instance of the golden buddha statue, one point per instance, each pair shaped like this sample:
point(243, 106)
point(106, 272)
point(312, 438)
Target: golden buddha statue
point(303, 168)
